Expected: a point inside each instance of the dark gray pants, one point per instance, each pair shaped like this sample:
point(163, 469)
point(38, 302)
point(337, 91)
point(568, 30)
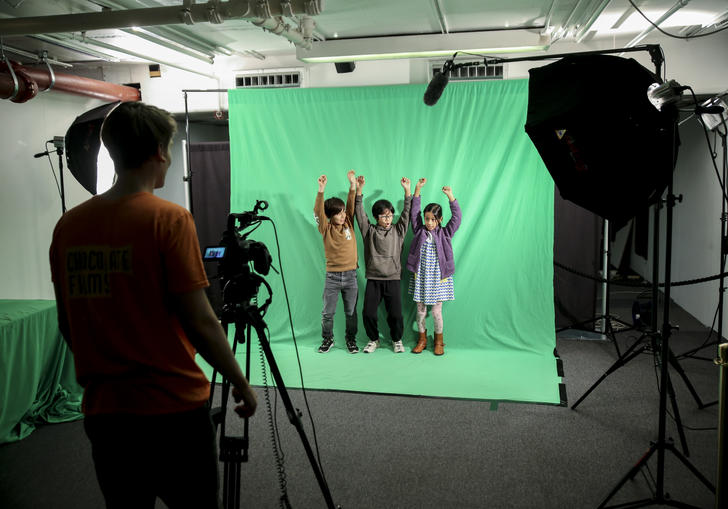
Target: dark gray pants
point(344, 283)
point(388, 291)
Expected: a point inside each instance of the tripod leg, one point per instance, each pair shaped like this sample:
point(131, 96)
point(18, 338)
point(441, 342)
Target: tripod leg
point(676, 411)
point(629, 475)
point(610, 334)
point(231, 454)
point(628, 356)
point(680, 371)
point(691, 467)
point(293, 415)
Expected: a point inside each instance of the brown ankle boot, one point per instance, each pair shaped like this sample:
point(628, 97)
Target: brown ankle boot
point(439, 345)
point(421, 343)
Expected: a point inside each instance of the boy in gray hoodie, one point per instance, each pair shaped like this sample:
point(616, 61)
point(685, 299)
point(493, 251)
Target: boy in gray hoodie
point(382, 257)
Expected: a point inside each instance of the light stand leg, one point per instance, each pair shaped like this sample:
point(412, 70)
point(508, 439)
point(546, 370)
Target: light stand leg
point(621, 361)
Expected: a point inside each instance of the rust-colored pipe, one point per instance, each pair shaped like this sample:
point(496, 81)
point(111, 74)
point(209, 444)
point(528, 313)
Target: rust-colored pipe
point(27, 88)
point(71, 84)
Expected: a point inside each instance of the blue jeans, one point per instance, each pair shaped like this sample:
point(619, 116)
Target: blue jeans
point(344, 283)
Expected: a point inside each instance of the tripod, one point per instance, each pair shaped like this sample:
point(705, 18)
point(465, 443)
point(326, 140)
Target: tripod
point(606, 318)
point(662, 444)
point(234, 450)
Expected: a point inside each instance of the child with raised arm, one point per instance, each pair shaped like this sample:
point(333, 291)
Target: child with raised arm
point(382, 258)
point(431, 260)
point(335, 223)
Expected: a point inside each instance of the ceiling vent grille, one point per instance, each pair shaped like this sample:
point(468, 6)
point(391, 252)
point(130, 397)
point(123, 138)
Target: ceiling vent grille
point(471, 72)
point(268, 79)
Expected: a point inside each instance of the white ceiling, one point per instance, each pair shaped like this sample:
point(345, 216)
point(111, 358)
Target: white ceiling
point(342, 20)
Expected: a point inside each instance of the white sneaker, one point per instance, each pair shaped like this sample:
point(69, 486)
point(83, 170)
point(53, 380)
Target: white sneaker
point(398, 346)
point(371, 346)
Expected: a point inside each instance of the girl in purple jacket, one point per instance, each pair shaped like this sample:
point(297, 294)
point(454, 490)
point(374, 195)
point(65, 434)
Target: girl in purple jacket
point(431, 260)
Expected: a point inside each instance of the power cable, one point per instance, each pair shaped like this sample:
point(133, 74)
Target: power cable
point(683, 37)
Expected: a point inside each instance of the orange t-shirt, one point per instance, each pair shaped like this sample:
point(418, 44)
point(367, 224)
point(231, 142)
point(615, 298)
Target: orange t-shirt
point(116, 263)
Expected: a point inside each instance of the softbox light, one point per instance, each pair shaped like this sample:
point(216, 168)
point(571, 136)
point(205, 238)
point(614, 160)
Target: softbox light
point(83, 140)
point(608, 149)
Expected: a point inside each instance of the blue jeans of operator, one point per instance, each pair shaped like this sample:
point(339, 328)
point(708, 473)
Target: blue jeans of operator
point(343, 283)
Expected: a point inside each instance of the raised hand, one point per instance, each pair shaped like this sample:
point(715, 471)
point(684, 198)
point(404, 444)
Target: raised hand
point(351, 175)
point(418, 186)
point(322, 183)
point(360, 181)
point(448, 192)
point(406, 185)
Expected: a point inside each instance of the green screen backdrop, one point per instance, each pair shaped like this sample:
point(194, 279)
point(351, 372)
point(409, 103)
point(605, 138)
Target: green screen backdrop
point(499, 330)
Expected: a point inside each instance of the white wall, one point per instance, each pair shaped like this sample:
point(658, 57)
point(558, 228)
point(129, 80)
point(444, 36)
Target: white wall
point(696, 228)
point(30, 205)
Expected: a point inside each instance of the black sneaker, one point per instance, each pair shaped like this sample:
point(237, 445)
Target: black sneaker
point(351, 345)
point(326, 345)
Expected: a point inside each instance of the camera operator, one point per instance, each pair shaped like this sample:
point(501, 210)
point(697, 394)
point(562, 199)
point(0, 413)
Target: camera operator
point(129, 284)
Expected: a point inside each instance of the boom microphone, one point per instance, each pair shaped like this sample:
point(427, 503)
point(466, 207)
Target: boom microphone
point(436, 87)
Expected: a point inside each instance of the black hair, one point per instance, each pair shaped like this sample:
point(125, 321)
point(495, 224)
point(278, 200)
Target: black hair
point(380, 206)
point(133, 132)
point(333, 206)
point(435, 209)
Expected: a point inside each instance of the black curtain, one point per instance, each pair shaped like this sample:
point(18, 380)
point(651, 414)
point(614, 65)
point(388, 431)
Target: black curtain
point(577, 237)
point(210, 193)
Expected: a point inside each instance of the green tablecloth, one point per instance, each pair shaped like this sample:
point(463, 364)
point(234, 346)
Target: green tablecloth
point(37, 377)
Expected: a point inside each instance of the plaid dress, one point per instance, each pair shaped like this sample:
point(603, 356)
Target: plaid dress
point(426, 285)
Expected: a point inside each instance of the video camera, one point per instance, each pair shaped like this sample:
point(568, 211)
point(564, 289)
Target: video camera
point(236, 252)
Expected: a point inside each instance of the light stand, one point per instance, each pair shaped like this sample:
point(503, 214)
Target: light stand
point(58, 142)
point(606, 318)
point(662, 444)
point(649, 341)
point(59, 151)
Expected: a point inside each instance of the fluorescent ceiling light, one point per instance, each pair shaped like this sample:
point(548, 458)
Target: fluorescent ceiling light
point(636, 23)
point(424, 46)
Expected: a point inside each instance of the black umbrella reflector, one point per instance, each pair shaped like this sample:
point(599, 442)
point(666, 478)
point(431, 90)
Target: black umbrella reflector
point(608, 149)
point(83, 141)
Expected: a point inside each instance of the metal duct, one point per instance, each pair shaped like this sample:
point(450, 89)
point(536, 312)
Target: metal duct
point(64, 83)
point(189, 13)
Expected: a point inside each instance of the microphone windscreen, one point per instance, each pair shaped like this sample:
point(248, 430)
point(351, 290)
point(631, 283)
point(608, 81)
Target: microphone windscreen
point(435, 88)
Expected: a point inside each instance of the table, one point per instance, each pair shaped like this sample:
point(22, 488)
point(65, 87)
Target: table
point(37, 376)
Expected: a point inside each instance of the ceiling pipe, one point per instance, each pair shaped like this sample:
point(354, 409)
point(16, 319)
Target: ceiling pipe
point(173, 34)
point(277, 26)
point(584, 29)
point(214, 11)
point(182, 36)
point(69, 83)
point(173, 45)
point(563, 31)
point(548, 29)
point(441, 18)
point(15, 84)
point(72, 45)
point(679, 5)
point(28, 54)
point(111, 47)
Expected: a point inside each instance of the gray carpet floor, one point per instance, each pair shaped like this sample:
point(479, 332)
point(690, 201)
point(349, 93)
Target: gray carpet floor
point(406, 452)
